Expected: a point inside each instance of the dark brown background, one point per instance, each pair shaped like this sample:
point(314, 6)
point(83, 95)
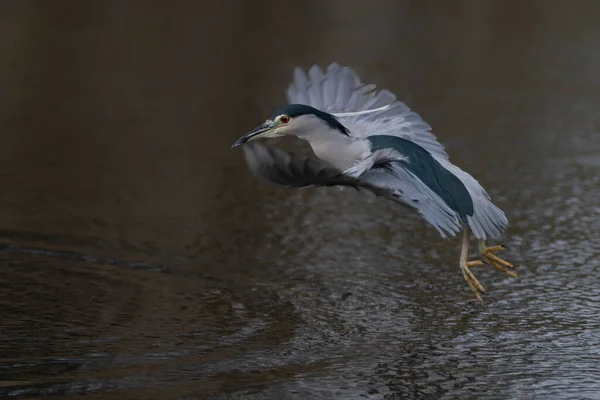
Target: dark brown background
point(140, 259)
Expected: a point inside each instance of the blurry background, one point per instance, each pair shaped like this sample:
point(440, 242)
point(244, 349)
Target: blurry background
point(139, 257)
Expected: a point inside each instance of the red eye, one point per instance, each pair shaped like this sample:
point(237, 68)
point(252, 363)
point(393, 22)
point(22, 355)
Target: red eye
point(284, 119)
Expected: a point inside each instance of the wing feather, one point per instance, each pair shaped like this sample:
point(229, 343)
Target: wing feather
point(288, 169)
point(408, 189)
point(389, 180)
point(340, 90)
point(488, 220)
point(315, 88)
point(281, 168)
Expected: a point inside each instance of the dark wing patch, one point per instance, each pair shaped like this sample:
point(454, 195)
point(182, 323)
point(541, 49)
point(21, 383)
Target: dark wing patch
point(422, 164)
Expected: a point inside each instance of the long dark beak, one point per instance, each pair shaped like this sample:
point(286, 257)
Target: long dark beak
point(254, 133)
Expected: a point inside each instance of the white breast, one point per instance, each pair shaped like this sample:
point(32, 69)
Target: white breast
point(341, 152)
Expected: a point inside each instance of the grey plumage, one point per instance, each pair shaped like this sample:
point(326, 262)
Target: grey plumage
point(288, 169)
point(342, 91)
point(429, 171)
point(390, 151)
point(278, 167)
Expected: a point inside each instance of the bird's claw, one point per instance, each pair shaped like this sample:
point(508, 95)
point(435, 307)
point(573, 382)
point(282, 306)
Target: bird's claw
point(488, 258)
point(473, 282)
point(495, 261)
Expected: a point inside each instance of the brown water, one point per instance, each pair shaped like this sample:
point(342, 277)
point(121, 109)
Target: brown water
point(140, 259)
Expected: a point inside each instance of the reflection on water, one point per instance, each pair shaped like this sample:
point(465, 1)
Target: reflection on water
point(139, 258)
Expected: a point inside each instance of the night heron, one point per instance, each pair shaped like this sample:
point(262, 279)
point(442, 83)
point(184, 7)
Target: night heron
point(367, 139)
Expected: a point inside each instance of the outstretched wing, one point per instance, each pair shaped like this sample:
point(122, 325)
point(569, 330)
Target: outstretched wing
point(340, 91)
point(288, 169)
point(441, 192)
point(391, 180)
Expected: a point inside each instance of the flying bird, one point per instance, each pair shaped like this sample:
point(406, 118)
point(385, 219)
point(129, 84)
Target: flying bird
point(365, 138)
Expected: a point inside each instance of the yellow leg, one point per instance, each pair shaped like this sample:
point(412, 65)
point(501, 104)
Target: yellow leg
point(497, 262)
point(465, 265)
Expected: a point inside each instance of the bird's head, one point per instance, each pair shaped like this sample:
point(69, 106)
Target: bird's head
point(294, 120)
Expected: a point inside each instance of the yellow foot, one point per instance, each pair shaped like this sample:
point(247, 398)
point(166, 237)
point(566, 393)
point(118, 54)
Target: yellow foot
point(497, 262)
point(474, 284)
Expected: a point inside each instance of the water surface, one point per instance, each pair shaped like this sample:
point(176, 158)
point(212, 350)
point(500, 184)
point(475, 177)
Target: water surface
point(140, 259)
